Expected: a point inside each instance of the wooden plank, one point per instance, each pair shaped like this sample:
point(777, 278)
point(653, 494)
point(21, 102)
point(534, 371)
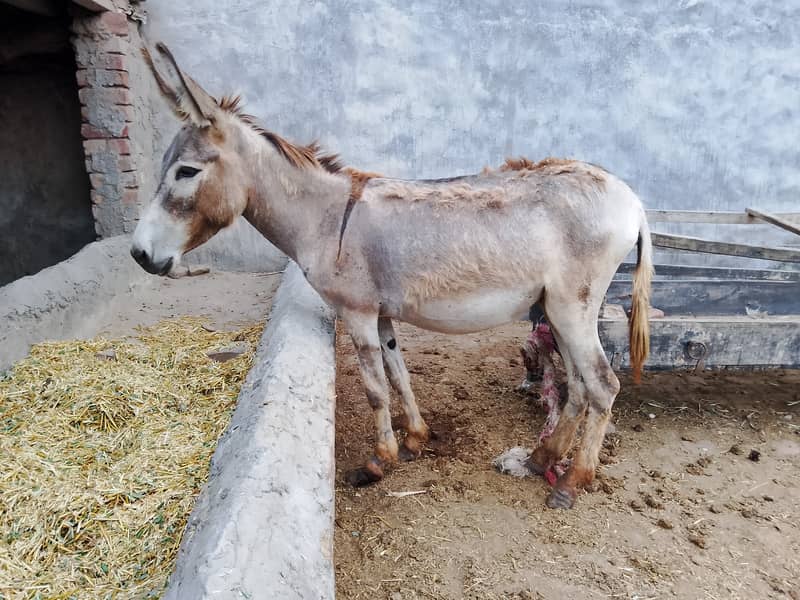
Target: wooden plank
point(95, 5)
point(706, 297)
point(742, 342)
point(47, 8)
point(773, 220)
point(692, 244)
point(707, 216)
point(697, 272)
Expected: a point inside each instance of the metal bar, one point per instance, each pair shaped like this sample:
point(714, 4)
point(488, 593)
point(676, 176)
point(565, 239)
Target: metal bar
point(773, 220)
point(691, 244)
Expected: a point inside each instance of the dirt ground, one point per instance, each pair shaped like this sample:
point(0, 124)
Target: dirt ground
point(682, 509)
point(229, 300)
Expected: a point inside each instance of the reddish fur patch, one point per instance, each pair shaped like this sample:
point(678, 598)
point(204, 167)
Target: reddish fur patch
point(495, 204)
point(210, 214)
point(583, 293)
point(359, 180)
point(517, 164)
point(555, 166)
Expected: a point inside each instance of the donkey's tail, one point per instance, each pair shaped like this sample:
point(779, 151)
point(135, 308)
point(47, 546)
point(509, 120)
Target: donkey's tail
point(639, 323)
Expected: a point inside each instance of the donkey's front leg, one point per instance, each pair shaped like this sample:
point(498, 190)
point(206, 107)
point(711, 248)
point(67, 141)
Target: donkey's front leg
point(363, 329)
point(417, 432)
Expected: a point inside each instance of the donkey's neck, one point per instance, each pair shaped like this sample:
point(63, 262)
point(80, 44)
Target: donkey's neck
point(298, 209)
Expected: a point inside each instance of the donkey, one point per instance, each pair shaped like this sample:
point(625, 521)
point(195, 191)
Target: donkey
point(455, 256)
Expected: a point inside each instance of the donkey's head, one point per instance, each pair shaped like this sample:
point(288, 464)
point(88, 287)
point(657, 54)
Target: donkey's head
point(203, 184)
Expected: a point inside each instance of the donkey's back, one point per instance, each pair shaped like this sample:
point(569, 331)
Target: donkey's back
point(468, 253)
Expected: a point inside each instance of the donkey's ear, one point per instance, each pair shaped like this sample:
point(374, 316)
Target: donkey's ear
point(185, 96)
point(169, 93)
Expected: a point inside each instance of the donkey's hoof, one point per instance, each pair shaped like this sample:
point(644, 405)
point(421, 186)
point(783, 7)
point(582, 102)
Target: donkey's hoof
point(361, 477)
point(370, 473)
point(405, 454)
point(540, 461)
point(534, 467)
point(561, 498)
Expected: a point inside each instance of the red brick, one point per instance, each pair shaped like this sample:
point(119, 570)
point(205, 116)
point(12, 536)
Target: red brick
point(85, 95)
point(120, 146)
point(105, 96)
point(97, 180)
point(125, 164)
point(94, 146)
point(89, 132)
point(121, 78)
point(115, 45)
point(124, 96)
point(113, 22)
point(128, 179)
point(113, 62)
point(103, 78)
point(130, 115)
point(130, 196)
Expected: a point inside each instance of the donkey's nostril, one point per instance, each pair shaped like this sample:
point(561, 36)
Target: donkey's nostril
point(139, 255)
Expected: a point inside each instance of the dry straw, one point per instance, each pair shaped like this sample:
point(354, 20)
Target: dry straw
point(104, 446)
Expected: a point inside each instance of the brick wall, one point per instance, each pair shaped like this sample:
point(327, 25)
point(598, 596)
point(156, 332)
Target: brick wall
point(105, 45)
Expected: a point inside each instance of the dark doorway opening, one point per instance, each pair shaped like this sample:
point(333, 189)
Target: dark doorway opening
point(45, 207)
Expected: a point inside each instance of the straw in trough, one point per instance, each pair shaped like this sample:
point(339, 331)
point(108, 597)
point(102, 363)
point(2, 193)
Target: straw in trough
point(104, 446)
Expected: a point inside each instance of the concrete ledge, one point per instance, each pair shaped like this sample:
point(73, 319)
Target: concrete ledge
point(263, 525)
point(57, 302)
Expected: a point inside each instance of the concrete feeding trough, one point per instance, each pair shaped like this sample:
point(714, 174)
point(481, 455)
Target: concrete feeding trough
point(263, 524)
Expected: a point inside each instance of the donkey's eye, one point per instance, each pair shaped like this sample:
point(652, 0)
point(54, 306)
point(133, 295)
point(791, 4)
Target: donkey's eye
point(186, 172)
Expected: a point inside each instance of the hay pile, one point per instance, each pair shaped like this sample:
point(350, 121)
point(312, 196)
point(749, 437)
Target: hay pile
point(104, 446)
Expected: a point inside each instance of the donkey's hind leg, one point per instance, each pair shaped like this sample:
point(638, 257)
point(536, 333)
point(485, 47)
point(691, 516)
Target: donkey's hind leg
point(555, 446)
point(589, 374)
point(417, 432)
point(363, 329)
point(601, 387)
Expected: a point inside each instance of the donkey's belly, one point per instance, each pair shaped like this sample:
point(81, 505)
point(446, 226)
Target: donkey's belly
point(472, 312)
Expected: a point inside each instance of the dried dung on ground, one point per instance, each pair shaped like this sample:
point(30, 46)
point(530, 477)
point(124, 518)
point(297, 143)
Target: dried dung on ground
point(104, 446)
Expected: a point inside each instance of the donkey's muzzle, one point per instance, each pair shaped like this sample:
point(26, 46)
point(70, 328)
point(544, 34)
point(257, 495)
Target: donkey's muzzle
point(146, 262)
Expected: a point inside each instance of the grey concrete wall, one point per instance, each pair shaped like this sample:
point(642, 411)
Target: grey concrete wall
point(45, 212)
point(63, 301)
point(693, 102)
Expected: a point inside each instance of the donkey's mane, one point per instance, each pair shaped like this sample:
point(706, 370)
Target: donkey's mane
point(303, 157)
